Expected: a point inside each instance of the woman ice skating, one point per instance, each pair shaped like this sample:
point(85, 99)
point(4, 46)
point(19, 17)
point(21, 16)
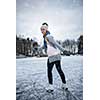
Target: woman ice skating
point(53, 51)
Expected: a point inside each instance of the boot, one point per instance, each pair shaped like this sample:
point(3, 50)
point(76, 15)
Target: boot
point(64, 86)
point(50, 88)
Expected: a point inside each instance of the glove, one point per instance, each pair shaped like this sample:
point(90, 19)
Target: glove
point(66, 53)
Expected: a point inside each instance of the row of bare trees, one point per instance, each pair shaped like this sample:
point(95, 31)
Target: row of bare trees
point(72, 46)
point(25, 46)
point(29, 47)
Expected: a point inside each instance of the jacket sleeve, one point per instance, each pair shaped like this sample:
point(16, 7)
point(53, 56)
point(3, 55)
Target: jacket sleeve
point(50, 39)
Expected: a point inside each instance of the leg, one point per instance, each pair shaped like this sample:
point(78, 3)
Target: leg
point(50, 67)
point(58, 67)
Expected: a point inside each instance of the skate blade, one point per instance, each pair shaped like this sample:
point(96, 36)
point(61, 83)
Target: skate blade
point(66, 89)
point(49, 91)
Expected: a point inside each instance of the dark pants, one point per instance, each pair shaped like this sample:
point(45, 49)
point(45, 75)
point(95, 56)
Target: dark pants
point(58, 67)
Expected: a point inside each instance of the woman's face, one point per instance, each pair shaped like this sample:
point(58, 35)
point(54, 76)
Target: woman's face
point(43, 31)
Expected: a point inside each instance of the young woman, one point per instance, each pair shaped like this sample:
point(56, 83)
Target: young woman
point(54, 57)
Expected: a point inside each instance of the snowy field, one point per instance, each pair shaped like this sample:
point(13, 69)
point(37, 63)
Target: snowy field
point(31, 79)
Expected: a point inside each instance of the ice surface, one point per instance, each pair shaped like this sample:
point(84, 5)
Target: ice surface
point(31, 79)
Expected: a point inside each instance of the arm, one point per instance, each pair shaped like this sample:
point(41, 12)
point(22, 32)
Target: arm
point(51, 40)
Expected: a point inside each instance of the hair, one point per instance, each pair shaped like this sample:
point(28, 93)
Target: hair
point(45, 24)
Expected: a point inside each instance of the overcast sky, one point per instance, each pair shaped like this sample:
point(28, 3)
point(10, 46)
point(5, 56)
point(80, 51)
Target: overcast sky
point(65, 18)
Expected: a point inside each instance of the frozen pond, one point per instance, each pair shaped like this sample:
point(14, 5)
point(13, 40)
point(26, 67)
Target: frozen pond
point(31, 79)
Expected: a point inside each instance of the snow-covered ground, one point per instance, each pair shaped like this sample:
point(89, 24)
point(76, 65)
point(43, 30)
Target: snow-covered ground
point(31, 78)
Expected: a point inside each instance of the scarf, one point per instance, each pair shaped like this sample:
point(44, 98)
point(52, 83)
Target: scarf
point(45, 43)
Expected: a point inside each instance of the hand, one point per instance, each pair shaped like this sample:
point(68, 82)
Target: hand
point(67, 53)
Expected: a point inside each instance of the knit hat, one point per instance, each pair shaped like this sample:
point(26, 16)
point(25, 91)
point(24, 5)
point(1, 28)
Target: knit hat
point(44, 26)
